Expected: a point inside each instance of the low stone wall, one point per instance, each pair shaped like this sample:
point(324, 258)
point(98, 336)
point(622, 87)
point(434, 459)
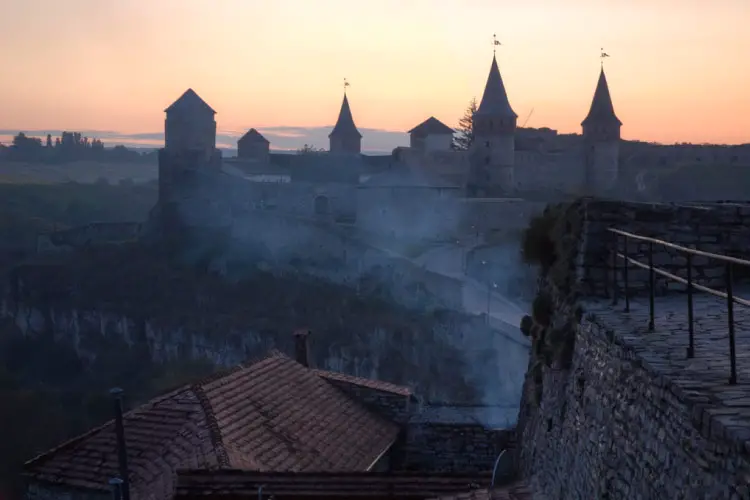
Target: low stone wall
point(455, 447)
point(94, 233)
point(610, 427)
point(717, 228)
point(43, 491)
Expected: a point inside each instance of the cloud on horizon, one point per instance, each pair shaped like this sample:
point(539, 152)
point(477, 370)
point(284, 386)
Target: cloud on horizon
point(281, 138)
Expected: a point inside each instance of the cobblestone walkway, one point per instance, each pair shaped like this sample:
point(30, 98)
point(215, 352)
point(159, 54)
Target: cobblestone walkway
point(723, 409)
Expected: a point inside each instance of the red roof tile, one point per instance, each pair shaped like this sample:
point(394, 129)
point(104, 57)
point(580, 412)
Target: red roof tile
point(172, 425)
point(365, 382)
point(272, 415)
point(235, 484)
point(431, 126)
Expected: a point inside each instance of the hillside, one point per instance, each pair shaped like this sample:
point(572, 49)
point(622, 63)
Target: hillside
point(78, 171)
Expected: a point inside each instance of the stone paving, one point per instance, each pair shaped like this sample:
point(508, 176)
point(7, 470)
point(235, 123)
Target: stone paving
point(719, 409)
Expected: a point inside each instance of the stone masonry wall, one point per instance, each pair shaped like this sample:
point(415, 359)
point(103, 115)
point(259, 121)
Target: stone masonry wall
point(451, 447)
point(717, 228)
point(604, 423)
point(43, 491)
point(610, 428)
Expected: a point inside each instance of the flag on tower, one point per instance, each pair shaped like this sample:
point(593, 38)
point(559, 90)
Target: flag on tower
point(604, 54)
point(496, 42)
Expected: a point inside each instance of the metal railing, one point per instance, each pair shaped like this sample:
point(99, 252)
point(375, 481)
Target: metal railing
point(691, 286)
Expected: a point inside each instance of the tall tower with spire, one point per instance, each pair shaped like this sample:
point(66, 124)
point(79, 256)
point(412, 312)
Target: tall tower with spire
point(345, 138)
point(494, 128)
point(601, 137)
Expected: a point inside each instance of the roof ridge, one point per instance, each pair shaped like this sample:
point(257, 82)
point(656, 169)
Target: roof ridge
point(214, 432)
point(375, 384)
point(432, 122)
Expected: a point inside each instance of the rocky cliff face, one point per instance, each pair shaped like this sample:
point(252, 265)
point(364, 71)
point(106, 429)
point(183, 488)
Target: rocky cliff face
point(103, 297)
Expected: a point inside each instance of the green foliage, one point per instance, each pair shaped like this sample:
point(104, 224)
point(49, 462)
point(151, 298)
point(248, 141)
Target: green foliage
point(526, 324)
point(309, 149)
point(551, 242)
point(465, 132)
point(70, 146)
point(31, 209)
point(50, 395)
point(537, 246)
point(542, 309)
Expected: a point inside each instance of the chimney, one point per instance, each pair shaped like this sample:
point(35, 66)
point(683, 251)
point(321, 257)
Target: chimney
point(301, 349)
point(122, 453)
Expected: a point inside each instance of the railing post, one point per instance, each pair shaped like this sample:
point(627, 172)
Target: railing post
point(651, 286)
point(625, 273)
point(691, 327)
point(614, 268)
point(730, 318)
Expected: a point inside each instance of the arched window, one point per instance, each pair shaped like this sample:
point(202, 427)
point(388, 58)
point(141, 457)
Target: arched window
point(321, 205)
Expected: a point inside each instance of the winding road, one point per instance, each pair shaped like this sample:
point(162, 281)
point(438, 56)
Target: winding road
point(505, 314)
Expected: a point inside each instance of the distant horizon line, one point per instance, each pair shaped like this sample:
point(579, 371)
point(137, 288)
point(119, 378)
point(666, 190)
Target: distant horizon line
point(295, 137)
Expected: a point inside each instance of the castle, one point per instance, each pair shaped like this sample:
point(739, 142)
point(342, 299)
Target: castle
point(344, 185)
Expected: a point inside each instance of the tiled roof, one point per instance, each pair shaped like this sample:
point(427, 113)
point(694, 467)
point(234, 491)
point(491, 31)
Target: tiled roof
point(168, 431)
point(602, 110)
point(252, 135)
point(431, 126)
point(495, 99)
point(236, 484)
point(272, 415)
point(365, 382)
point(345, 124)
point(516, 491)
point(189, 102)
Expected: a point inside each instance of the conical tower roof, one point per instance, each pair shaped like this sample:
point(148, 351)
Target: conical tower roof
point(495, 99)
point(602, 111)
point(189, 102)
point(345, 126)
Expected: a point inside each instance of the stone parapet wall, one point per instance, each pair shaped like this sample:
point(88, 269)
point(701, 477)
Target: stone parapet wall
point(716, 228)
point(455, 447)
point(612, 427)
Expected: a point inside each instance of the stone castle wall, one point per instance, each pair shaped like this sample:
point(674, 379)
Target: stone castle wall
point(716, 228)
point(610, 424)
point(613, 428)
point(451, 447)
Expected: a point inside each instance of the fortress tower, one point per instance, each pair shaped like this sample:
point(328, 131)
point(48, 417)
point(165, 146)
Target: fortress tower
point(601, 137)
point(189, 160)
point(494, 126)
point(190, 125)
point(189, 144)
point(345, 138)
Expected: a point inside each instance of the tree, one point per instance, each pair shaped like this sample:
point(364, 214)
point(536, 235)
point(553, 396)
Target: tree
point(49, 140)
point(308, 149)
point(465, 135)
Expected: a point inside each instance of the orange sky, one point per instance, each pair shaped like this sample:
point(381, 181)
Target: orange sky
point(679, 69)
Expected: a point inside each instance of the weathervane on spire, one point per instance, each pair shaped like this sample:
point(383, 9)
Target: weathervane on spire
point(346, 84)
point(495, 43)
point(602, 56)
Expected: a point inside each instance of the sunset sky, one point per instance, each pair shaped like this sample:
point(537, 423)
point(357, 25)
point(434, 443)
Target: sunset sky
point(679, 69)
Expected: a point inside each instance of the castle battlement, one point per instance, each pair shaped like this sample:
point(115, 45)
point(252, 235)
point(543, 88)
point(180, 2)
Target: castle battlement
point(633, 408)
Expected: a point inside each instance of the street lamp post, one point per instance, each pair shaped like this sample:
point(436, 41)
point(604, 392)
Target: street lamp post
point(462, 254)
point(484, 273)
